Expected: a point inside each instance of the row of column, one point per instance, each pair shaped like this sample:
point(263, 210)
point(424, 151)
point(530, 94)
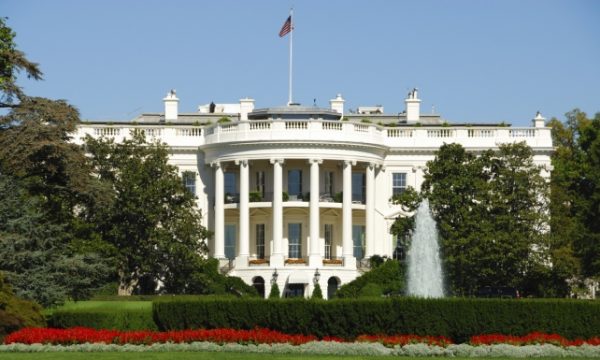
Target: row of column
point(315, 258)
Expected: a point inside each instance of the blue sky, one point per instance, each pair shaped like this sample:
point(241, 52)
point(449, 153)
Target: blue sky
point(474, 61)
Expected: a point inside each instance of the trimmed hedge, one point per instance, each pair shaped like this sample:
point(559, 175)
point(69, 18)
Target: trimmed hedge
point(118, 319)
point(456, 318)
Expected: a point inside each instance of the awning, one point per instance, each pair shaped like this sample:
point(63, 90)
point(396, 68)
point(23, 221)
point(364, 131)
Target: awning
point(298, 278)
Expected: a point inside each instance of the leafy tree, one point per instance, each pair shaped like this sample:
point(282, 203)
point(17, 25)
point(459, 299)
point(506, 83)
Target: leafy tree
point(492, 215)
point(12, 61)
point(152, 221)
point(576, 195)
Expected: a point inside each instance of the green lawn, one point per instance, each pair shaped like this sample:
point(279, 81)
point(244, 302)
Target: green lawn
point(198, 356)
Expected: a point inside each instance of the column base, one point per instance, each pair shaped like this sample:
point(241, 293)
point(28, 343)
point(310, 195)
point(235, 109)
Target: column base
point(241, 261)
point(315, 261)
point(350, 262)
point(276, 261)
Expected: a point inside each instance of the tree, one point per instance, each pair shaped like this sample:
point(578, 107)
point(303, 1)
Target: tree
point(317, 292)
point(492, 215)
point(37, 255)
point(17, 313)
point(12, 61)
point(152, 221)
point(576, 195)
point(274, 293)
point(387, 278)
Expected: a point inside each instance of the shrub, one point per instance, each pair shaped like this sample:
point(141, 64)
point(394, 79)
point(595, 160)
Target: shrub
point(370, 290)
point(275, 293)
point(389, 277)
point(17, 313)
point(455, 318)
point(103, 318)
point(317, 292)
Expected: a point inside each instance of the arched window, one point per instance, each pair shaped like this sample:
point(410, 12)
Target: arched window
point(259, 284)
point(332, 285)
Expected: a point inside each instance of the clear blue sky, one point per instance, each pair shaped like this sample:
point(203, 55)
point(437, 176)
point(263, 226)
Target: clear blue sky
point(475, 61)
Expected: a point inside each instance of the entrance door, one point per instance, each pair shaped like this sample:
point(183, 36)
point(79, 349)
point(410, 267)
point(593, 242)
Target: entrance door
point(295, 290)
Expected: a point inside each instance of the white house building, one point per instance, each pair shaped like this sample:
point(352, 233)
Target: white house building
point(297, 194)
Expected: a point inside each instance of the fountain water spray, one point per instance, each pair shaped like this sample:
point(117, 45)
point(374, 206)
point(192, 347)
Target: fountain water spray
point(425, 278)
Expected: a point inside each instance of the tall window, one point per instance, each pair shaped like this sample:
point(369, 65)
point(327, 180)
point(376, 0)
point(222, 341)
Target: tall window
point(328, 240)
point(295, 183)
point(358, 240)
point(230, 187)
point(260, 241)
point(294, 240)
point(358, 187)
point(230, 233)
point(329, 183)
point(398, 183)
point(189, 181)
point(260, 183)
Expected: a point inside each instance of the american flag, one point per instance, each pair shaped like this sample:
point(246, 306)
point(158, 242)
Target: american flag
point(287, 27)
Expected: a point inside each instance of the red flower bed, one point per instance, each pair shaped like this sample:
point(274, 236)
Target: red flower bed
point(392, 340)
point(530, 339)
point(80, 335)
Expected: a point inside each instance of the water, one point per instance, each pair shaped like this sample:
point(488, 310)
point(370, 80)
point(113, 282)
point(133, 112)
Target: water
point(425, 278)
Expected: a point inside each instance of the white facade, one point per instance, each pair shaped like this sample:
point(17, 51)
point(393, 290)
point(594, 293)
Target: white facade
point(293, 190)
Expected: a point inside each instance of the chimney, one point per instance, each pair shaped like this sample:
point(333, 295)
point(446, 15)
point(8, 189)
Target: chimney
point(246, 106)
point(337, 104)
point(413, 106)
point(539, 121)
point(171, 103)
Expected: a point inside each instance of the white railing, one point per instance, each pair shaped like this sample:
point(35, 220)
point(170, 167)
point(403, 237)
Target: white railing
point(260, 125)
point(401, 133)
point(327, 131)
point(331, 126)
point(486, 133)
point(296, 125)
point(191, 132)
point(518, 133)
point(107, 131)
point(440, 133)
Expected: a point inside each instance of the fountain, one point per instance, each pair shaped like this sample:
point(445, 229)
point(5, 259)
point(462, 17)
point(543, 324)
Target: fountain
point(424, 265)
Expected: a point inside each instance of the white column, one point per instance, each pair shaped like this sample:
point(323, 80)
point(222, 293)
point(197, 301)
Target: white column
point(347, 250)
point(370, 211)
point(277, 231)
point(219, 252)
point(244, 230)
point(314, 257)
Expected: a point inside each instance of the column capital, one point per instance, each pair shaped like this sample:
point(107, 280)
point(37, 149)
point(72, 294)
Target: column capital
point(241, 162)
point(350, 162)
point(315, 160)
point(277, 161)
point(372, 166)
point(216, 164)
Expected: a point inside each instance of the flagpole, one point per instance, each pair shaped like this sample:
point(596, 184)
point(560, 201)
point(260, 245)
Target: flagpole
point(290, 70)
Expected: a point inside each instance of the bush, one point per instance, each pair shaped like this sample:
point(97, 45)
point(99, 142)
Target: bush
point(388, 276)
point(371, 290)
point(317, 292)
point(117, 319)
point(456, 318)
point(17, 313)
point(275, 293)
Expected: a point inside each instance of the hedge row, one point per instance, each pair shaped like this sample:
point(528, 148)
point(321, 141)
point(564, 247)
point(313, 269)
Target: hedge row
point(118, 319)
point(455, 318)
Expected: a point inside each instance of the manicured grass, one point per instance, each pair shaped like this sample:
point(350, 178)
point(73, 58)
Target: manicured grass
point(201, 356)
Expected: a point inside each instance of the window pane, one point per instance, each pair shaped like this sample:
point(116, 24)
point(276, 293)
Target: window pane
point(358, 187)
point(358, 240)
point(294, 241)
point(398, 183)
point(295, 182)
point(189, 181)
point(230, 234)
point(328, 240)
point(230, 186)
point(260, 241)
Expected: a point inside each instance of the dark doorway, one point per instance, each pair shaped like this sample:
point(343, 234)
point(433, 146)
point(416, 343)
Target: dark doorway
point(294, 290)
point(259, 284)
point(332, 286)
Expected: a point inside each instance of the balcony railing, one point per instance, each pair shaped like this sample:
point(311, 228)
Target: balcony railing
point(322, 130)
